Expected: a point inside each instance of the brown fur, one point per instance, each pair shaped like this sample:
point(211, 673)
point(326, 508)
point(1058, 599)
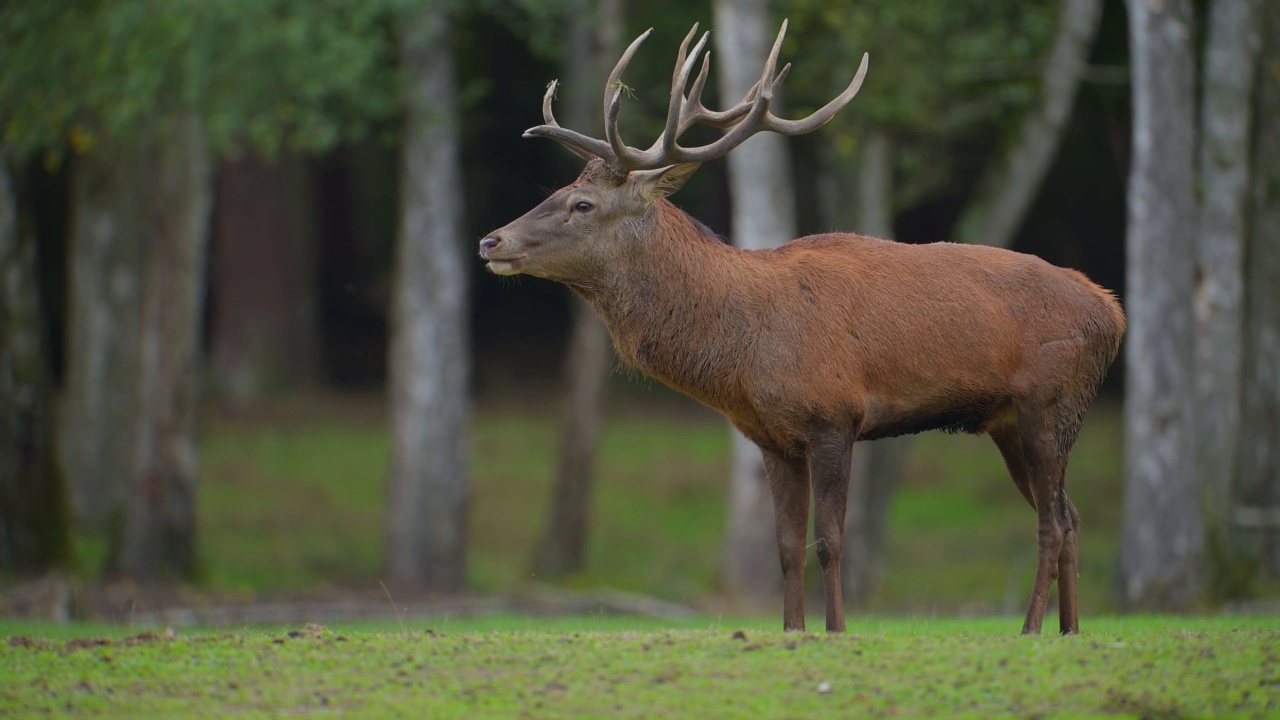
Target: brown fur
point(834, 338)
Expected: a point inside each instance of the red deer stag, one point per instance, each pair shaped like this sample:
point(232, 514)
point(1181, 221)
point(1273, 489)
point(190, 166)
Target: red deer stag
point(827, 339)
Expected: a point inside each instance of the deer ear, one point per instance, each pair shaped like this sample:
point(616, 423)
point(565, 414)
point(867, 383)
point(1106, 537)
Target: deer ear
point(657, 184)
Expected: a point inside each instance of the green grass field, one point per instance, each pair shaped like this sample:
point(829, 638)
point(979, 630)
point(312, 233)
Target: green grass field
point(1148, 667)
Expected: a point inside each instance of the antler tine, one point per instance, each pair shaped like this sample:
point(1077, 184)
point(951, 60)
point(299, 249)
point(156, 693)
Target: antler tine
point(623, 156)
point(782, 75)
point(679, 79)
point(616, 74)
point(695, 112)
point(584, 147)
point(682, 54)
point(767, 79)
point(693, 103)
point(823, 114)
point(549, 118)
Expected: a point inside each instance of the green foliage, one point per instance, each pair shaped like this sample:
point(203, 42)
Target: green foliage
point(539, 23)
point(936, 66)
point(306, 73)
point(1149, 667)
point(944, 76)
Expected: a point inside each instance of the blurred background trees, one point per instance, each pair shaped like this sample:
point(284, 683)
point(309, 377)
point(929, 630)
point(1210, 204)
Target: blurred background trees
point(428, 383)
point(214, 207)
point(34, 531)
point(594, 35)
point(1192, 518)
point(146, 92)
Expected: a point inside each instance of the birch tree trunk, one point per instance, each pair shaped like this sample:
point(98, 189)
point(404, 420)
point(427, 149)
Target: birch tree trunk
point(157, 533)
point(264, 332)
point(103, 290)
point(427, 497)
point(1258, 490)
point(763, 216)
point(998, 207)
point(33, 515)
point(877, 465)
point(1230, 60)
point(1161, 554)
point(594, 44)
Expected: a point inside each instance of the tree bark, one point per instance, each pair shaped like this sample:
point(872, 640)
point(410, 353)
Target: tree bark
point(594, 43)
point(34, 533)
point(263, 315)
point(429, 354)
point(1161, 554)
point(877, 465)
point(103, 290)
point(157, 532)
point(1258, 489)
point(763, 216)
point(998, 207)
point(1230, 60)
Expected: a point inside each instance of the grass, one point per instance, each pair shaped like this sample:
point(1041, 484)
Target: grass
point(588, 667)
point(292, 499)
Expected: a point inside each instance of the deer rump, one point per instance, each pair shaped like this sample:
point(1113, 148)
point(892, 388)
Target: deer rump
point(880, 337)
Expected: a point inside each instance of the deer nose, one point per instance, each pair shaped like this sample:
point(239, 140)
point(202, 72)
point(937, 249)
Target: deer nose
point(489, 244)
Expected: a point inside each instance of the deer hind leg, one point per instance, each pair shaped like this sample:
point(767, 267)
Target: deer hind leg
point(791, 522)
point(829, 459)
point(1032, 453)
point(1069, 570)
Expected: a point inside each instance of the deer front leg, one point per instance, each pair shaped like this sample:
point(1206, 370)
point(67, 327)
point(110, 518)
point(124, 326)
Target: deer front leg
point(791, 521)
point(829, 460)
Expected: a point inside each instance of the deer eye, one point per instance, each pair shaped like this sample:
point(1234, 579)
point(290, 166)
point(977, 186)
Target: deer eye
point(583, 206)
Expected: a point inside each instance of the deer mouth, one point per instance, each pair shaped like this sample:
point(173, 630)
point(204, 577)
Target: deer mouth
point(505, 266)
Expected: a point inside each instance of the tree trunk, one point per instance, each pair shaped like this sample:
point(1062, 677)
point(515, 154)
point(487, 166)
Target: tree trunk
point(877, 465)
point(1258, 490)
point(1161, 554)
point(1230, 59)
point(998, 207)
point(263, 319)
point(763, 216)
point(34, 535)
point(594, 43)
point(103, 286)
point(156, 535)
point(429, 355)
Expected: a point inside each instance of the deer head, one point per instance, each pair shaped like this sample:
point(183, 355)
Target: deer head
point(576, 232)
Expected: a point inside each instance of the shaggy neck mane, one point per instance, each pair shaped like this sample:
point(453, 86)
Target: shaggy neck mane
point(672, 302)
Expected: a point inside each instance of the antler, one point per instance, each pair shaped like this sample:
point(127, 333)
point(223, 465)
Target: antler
point(750, 116)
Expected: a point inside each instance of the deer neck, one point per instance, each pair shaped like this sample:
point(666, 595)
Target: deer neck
point(671, 303)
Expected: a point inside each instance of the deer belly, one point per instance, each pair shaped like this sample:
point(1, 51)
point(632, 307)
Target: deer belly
point(974, 413)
